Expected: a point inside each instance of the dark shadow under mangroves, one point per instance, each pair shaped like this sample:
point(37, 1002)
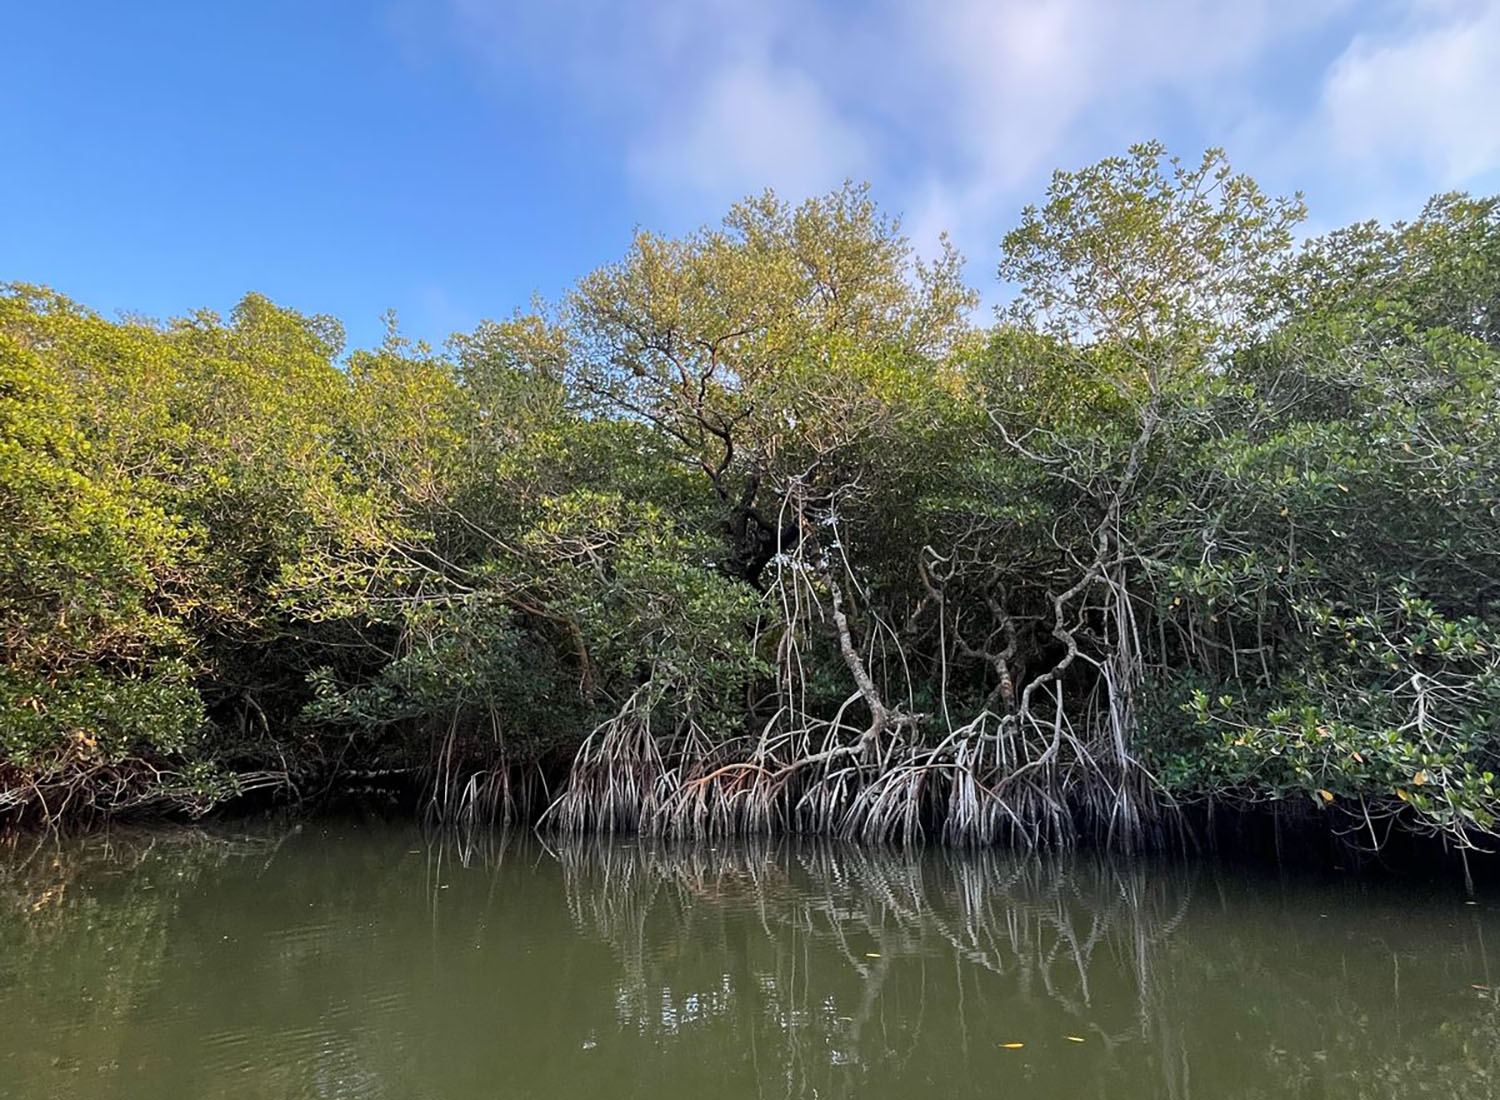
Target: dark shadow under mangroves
point(373, 961)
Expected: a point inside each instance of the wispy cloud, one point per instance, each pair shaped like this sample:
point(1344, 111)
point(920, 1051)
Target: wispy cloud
point(1422, 99)
point(956, 109)
point(751, 121)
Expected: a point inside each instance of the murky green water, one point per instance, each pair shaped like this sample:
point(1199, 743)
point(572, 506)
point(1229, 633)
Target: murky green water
point(367, 962)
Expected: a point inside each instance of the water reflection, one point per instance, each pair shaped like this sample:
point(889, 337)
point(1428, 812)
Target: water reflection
point(851, 966)
point(366, 961)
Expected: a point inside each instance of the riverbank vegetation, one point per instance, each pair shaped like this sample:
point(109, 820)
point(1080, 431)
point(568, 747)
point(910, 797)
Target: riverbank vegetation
point(759, 529)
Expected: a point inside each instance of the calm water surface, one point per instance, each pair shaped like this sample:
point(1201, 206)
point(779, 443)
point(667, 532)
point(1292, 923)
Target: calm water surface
point(360, 961)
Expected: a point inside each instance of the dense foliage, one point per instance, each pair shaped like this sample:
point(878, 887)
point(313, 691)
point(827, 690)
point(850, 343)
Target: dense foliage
point(758, 529)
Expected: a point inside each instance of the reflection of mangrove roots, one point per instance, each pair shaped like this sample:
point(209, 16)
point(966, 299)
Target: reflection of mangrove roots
point(1045, 925)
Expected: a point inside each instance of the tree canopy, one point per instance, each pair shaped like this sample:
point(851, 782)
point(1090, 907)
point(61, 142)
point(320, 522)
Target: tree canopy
point(762, 528)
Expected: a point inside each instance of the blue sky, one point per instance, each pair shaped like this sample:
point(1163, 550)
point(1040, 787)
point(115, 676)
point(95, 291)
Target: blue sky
point(449, 159)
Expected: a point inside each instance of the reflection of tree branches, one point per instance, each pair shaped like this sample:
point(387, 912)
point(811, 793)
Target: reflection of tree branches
point(38, 871)
point(1041, 926)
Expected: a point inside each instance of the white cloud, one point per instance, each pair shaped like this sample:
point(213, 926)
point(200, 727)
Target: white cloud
point(1025, 87)
point(751, 122)
point(956, 109)
point(1425, 98)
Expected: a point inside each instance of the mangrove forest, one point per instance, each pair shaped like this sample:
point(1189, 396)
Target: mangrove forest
point(771, 528)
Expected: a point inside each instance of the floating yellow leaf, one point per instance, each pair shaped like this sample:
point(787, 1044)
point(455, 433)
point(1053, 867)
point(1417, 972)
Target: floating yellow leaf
point(1419, 778)
point(1075, 1038)
point(1402, 795)
point(1358, 758)
point(1012, 1046)
point(1326, 796)
point(871, 955)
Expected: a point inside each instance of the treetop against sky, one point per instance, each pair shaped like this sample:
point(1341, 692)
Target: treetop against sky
point(451, 159)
